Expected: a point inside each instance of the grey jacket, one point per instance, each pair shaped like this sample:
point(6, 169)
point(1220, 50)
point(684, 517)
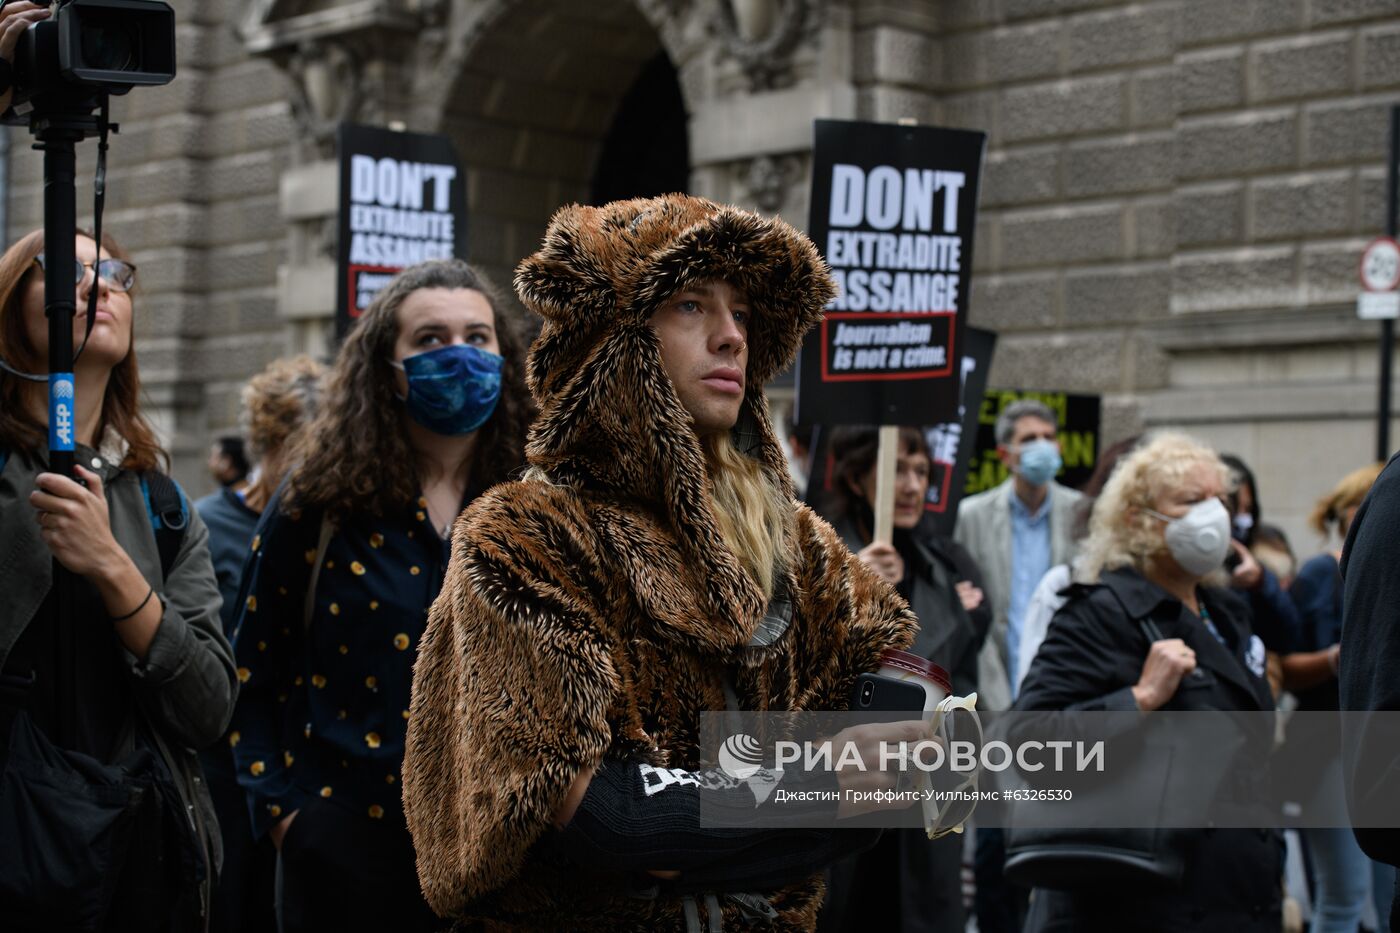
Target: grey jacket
point(984, 528)
point(186, 686)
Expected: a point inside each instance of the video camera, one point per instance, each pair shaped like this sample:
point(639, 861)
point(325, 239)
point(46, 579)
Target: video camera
point(89, 48)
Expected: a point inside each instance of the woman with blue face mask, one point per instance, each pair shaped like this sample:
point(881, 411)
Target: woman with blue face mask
point(424, 409)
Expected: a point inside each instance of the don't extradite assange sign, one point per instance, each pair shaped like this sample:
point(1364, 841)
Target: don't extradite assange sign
point(893, 210)
point(402, 201)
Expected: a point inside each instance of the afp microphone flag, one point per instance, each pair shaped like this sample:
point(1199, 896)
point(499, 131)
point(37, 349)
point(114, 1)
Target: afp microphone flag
point(893, 211)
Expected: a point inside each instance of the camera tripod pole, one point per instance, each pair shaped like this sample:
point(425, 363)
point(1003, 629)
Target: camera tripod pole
point(58, 142)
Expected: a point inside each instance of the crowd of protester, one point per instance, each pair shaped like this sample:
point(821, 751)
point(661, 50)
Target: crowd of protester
point(378, 529)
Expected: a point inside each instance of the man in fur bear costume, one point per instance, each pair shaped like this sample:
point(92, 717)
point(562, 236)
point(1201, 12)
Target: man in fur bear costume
point(652, 564)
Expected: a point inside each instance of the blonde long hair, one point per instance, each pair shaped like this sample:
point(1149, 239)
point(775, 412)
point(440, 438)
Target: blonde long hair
point(1350, 492)
point(277, 403)
point(1121, 532)
point(752, 514)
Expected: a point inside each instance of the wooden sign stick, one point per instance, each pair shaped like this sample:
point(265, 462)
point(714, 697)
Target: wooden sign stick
point(885, 477)
point(885, 462)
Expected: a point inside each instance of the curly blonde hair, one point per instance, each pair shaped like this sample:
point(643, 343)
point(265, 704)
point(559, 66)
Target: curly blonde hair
point(1332, 508)
point(1121, 532)
point(278, 401)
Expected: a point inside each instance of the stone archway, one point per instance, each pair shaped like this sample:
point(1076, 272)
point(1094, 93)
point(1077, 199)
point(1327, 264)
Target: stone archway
point(542, 92)
point(533, 92)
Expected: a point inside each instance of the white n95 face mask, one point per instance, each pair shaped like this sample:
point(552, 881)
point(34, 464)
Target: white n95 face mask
point(1199, 540)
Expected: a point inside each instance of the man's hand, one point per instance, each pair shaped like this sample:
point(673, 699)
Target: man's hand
point(884, 560)
point(1169, 660)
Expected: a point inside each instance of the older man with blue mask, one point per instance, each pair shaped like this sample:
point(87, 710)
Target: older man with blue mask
point(1016, 532)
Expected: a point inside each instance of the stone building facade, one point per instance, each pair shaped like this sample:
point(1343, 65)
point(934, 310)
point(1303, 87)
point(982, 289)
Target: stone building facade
point(1175, 198)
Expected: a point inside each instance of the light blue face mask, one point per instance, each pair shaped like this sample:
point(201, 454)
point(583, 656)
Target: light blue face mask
point(1040, 461)
point(454, 389)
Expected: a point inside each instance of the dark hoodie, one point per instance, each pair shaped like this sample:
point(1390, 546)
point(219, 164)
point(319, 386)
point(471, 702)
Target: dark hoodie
point(595, 614)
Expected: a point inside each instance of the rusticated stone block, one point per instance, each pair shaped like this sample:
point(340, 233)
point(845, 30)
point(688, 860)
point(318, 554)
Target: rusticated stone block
point(1238, 144)
point(1210, 21)
point(1328, 12)
point(1310, 66)
point(1130, 35)
point(1074, 362)
point(1142, 162)
point(1107, 295)
point(898, 56)
point(1346, 131)
point(1302, 206)
point(1255, 277)
point(1209, 215)
point(1015, 302)
point(1380, 57)
point(1062, 235)
point(1210, 80)
point(1021, 176)
point(1064, 108)
point(1153, 96)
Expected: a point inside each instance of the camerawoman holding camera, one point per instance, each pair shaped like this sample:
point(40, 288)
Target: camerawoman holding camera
point(129, 842)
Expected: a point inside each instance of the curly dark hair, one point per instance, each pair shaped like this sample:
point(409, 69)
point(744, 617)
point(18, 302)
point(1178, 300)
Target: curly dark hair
point(356, 456)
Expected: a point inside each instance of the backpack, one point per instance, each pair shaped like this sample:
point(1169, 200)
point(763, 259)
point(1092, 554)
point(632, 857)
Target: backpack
point(166, 507)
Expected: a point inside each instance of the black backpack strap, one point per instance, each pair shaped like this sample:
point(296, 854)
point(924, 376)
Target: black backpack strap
point(169, 514)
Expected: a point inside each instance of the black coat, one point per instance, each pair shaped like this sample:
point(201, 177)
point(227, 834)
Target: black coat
point(949, 635)
point(1092, 656)
point(907, 884)
point(1370, 668)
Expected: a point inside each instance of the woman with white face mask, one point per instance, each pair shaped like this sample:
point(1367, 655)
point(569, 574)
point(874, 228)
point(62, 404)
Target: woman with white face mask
point(1158, 539)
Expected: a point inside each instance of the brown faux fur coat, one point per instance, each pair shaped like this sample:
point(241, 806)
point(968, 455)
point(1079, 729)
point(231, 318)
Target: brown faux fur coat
point(594, 614)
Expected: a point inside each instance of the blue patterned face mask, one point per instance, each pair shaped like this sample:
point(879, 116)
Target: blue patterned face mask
point(452, 390)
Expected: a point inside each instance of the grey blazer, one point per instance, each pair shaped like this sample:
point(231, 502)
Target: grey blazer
point(984, 528)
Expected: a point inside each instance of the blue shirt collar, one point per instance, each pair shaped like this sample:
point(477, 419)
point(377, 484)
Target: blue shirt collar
point(1019, 510)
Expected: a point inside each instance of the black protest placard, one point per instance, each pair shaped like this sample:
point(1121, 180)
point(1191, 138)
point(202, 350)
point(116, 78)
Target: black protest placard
point(1079, 419)
point(893, 210)
point(949, 455)
point(403, 200)
point(951, 442)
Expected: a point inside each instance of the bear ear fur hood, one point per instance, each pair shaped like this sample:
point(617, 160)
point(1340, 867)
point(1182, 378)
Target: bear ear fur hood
point(609, 416)
point(589, 618)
